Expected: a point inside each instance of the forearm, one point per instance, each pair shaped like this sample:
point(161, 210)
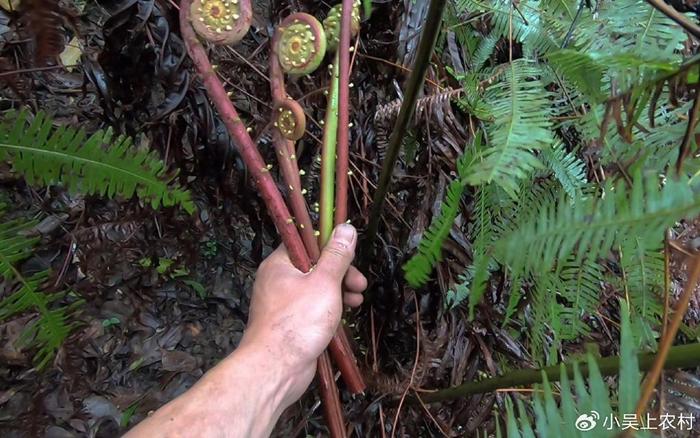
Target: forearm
point(243, 396)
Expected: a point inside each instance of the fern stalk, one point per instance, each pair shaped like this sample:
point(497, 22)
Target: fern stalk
point(285, 152)
point(680, 356)
point(328, 158)
point(268, 191)
point(340, 346)
point(237, 129)
point(408, 106)
point(343, 122)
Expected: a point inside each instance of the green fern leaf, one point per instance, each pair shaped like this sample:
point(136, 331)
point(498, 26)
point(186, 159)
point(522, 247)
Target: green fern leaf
point(482, 237)
point(642, 264)
point(484, 52)
point(67, 156)
point(417, 270)
point(591, 228)
point(15, 245)
point(569, 170)
point(556, 420)
point(521, 126)
point(50, 330)
point(582, 69)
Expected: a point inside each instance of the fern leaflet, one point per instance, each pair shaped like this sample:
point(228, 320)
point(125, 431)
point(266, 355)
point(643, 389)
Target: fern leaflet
point(554, 419)
point(569, 170)
point(48, 332)
point(67, 156)
point(417, 270)
point(521, 125)
point(592, 227)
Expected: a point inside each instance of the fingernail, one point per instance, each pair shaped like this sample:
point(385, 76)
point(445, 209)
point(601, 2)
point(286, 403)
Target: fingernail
point(344, 233)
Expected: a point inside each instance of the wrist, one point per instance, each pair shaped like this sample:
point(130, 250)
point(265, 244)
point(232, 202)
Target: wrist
point(291, 355)
point(269, 384)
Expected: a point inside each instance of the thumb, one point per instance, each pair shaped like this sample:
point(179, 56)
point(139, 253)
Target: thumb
point(338, 253)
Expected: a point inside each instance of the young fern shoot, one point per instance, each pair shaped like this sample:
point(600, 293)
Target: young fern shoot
point(290, 124)
point(301, 44)
point(267, 188)
point(343, 23)
point(221, 21)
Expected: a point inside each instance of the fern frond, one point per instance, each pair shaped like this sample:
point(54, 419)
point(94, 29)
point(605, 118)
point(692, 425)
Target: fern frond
point(66, 155)
point(484, 52)
point(561, 302)
point(521, 126)
point(482, 236)
point(581, 69)
point(592, 227)
point(48, 332)
point(417, 270)
point(581, 283)
point(569, 170)
point(15, 245)
point(642, 265)
point(554, 419)
point(472, 101)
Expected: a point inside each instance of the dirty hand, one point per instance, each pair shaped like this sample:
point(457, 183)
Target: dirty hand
point(293, 315)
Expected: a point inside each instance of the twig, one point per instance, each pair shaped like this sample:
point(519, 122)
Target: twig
point(684, 149)
point(413, 88)
point(413, 371)
point(37, 69)
point(676, 16)
point(681, 356)
point(667, 340)
point(400, 67)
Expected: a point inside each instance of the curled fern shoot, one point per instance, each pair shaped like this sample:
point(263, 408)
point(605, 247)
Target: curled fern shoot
point(98, 164)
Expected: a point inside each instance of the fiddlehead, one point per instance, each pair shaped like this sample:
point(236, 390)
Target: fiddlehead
point(290, 119)
point(221, 21)
point(301, 44)
point(331, 25)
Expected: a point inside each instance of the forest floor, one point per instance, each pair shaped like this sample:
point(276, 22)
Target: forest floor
point(166, 294)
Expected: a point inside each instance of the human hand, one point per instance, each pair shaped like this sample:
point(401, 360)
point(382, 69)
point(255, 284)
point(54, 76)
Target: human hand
point(293, 315)
point(292, 318)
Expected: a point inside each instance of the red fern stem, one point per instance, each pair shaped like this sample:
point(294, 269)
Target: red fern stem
point(342, 148)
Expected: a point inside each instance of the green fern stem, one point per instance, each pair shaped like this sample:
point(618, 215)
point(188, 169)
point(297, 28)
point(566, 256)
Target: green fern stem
point(330, 135)
point(680, 356)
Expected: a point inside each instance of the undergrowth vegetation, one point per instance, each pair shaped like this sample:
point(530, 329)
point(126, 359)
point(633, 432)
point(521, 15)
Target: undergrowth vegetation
point(98, 164)
point(583, 118)
point(573, 159)
point(581, 157)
